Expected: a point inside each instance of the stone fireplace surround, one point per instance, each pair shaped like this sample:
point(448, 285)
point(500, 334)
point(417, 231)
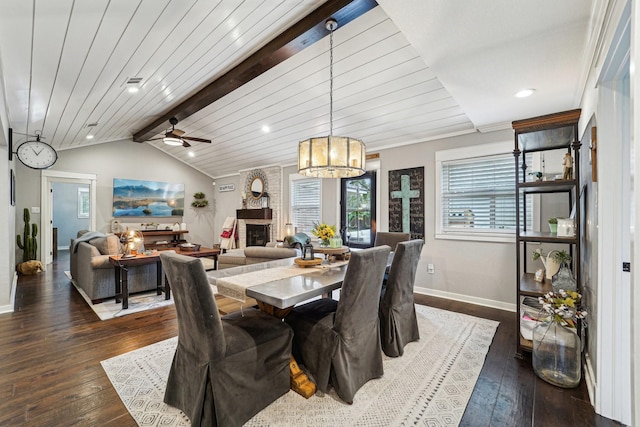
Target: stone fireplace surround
point(273, 186)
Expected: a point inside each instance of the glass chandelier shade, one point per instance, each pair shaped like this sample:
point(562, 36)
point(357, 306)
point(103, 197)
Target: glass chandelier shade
point(331, 156)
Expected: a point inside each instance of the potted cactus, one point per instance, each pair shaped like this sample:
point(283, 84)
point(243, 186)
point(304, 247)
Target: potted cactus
point(28, 243)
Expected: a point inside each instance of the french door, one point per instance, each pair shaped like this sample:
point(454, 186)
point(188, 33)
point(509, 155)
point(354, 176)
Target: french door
point(358, 210)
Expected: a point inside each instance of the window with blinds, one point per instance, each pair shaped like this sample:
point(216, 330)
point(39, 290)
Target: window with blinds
point(477, 195)
point(305, 204)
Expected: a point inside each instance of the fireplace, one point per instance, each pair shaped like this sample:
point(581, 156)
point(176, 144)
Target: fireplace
point(258, 234)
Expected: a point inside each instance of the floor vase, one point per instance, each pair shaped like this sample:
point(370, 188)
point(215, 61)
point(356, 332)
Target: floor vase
point(556, 354)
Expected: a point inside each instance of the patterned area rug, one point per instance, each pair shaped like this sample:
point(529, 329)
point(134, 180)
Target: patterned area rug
point(109, 308)
point(429, 385)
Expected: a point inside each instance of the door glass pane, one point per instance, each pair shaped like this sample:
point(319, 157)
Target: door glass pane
point(358, 210)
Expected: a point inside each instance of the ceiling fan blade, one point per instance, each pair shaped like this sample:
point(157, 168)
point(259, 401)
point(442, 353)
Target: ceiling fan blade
point(190, 138)
point(177, 132)
point(185, 144)
point(156, 139)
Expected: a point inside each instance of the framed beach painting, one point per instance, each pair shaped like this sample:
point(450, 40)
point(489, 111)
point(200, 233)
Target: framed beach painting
point(137, 198)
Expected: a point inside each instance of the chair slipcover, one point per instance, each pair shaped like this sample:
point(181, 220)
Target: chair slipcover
point(398, 322)
point(225, 370)
point(390, 238)
point(339, 342)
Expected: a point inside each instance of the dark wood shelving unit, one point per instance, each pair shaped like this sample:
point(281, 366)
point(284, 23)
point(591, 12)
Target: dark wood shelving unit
point(551, 132)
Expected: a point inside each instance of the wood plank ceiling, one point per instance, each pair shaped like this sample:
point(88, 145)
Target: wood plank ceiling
point(65, 66)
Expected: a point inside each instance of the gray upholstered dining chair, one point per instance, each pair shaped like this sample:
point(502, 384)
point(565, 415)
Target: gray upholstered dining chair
point(339, 342)
point(398, 322)
point(225, 370)
point(390, 238)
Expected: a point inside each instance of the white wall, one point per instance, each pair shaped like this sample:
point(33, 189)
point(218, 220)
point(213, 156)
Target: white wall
point(125, 159)
point(479, 272)
point(8, 276)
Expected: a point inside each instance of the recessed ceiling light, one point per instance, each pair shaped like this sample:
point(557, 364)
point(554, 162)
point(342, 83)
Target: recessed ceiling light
point(265, 129)
point(89, 136)
point(132, 89)
point(192, 154)
point(524, 93)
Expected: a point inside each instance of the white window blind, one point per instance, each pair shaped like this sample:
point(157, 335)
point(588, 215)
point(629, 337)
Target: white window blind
point(305, 204)
point(478, 195)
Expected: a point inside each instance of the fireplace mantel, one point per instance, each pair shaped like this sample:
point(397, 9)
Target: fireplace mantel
point(263, 213)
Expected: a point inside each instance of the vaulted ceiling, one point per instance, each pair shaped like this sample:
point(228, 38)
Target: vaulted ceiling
point(405, 71)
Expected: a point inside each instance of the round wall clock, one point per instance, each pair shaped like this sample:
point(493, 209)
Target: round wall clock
point(37, 154)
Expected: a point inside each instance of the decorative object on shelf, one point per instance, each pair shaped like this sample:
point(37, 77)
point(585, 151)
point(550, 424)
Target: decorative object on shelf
point(265, 200)
point(537, 175)
point(567, 163)
point(331, 156)
point(539, 276)
point(289, 229)
point(553, 225)
point(551, 260)
point(563, 279)
point(566, 227)
point(335, 242)
point(556, 345)
point(323, 232)
point(200, 201)
point(176, 226)
point(116, 227)
point(132, 243)
point(28, 243)
point(150, 226)
point(191, 247)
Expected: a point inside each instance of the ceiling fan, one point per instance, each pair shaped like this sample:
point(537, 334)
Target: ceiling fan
point(176, 137)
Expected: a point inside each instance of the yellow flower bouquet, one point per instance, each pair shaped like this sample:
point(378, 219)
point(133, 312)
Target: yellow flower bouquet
point(324, 232)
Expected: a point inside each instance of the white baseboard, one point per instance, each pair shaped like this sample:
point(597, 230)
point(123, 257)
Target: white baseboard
point(466, 298)
point(9, 308)
point(590, 379)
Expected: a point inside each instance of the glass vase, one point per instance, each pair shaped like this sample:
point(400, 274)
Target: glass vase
point(324, 243)
point(556, 354)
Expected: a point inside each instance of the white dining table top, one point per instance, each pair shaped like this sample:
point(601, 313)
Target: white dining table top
point(287, 292)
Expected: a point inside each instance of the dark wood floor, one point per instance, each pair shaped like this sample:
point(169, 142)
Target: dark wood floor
point(52, 345)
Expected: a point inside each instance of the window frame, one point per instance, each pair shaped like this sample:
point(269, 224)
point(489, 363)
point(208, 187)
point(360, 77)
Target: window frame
point(292, 179)
point(470, 153)
point(84, 202)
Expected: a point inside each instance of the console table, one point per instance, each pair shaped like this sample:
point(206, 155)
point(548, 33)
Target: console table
point(173, 238)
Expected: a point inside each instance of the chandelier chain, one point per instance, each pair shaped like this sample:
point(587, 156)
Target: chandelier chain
point(331, 83)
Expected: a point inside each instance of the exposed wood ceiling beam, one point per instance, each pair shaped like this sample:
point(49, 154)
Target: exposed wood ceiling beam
point(302, 34)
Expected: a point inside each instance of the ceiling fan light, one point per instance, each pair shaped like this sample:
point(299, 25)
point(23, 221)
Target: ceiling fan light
point(172, 141)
